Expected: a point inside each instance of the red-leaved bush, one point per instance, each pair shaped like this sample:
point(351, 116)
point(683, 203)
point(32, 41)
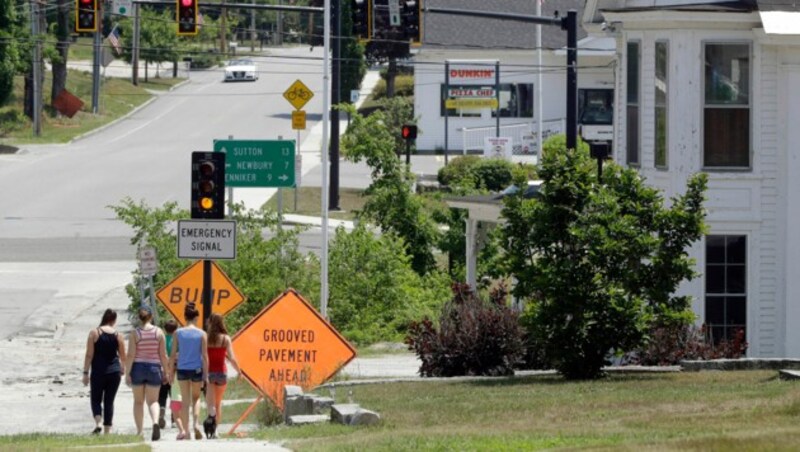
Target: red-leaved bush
point(668, 345)
point(474, 337)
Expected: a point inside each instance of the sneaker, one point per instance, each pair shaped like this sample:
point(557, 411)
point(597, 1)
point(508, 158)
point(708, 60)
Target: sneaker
point(156, 432)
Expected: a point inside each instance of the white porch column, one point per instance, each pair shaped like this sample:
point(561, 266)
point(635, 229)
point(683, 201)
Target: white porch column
point(472, 252)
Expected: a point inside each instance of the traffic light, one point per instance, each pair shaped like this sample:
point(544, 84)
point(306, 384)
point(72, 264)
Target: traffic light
point(85, 15)
point(208, 185)
point(187, 17)
point(409, 132)
point(411, 20)
point(360, 13)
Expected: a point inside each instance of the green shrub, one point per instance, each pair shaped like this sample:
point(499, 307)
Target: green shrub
point(474, 337)
point(403, 87)
point(374, 292)
point(459, 169)
point(557, 143)
point(493, 174)
point(205, 60)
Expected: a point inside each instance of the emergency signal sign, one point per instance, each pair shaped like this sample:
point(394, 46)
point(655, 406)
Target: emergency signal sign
point(188, 287)
point(289, 343)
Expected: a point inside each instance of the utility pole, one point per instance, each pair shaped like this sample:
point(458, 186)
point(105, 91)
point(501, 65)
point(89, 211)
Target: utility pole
point(336, 66)
point(37, 69)
point(253, 28)
point(279, 27)
point(135, 49)
point(98, 39)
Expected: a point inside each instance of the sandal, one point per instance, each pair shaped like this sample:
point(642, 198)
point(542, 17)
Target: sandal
point(197, 433)
point(181, 436)
point(97, 431)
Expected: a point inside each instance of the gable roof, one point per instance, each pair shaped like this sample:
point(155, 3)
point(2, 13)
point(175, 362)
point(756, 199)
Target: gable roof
point(447, 31)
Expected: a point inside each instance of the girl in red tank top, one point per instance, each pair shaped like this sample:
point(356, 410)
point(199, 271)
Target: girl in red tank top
point(219, 348)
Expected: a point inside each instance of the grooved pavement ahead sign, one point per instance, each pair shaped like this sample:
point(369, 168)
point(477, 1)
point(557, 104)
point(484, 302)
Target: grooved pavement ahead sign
point(289, 343)
point(258, 163)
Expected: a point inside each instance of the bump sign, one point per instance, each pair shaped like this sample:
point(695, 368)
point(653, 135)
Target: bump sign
point(188, 287)
point(289, 343)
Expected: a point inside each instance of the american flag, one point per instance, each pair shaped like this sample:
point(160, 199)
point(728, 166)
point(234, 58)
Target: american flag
point(113, 38)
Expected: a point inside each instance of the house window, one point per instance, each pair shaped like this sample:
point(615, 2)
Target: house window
point(632, 104)
point(660, 113)
point(726, 115)
point(726, 286)
point(516, 99)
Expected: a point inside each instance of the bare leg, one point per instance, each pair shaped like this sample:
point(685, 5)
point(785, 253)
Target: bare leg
point(138, 408)
point(219, 393)
point(151, 396)
point(98, 421)
point(196, 405)
point(186, 391)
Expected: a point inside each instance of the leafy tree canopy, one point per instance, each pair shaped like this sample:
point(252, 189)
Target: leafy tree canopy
point(599, 262)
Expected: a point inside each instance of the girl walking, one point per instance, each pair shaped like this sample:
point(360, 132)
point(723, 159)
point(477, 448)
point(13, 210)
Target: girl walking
point(189, 360)
point(103, 351)
point(147, 361)
point(219, 347)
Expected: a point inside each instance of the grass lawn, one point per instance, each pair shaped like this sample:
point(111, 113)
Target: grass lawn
point(309, 202)
point(81, 49)
point(53, 442)
point(117, 97)
point(709, 411)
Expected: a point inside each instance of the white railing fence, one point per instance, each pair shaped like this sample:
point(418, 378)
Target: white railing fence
point(524, 137)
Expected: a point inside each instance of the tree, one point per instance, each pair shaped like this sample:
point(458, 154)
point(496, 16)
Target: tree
point(390, 203)
point(374, 292)
point(158, 41)
point(58, 59)
point(599, 262)
point(9, 55)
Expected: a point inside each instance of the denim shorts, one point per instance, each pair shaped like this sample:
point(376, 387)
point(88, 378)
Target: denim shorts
point(195, 375)
point(146, 374)
point(217, 378)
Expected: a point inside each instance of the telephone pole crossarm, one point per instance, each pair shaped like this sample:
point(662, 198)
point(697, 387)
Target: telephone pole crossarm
point(296, 9)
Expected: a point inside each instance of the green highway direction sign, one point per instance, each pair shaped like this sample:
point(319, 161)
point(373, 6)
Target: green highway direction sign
point(258, 163)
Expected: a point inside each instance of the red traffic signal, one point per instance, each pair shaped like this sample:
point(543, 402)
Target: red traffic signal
point(409, 132)
point(85, 15)
point(187, 17)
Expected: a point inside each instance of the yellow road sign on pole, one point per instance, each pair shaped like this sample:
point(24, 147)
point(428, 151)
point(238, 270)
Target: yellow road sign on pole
point(298, 94)
point(299, 120)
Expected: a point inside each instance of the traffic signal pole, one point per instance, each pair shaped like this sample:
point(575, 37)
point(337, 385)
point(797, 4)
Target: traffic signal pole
point(568, 23)
point(336, 65)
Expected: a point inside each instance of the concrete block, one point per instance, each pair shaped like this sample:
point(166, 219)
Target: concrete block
point(342, 413)
point(292, 391)
point(307, 419)
point(365, 417)
point(321, 404)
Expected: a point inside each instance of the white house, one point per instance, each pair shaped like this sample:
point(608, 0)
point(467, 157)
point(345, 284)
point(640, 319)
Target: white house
point(714, 86)
point(473, 47)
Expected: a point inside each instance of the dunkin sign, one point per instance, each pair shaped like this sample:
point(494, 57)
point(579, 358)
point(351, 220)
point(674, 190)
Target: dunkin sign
point(472, 73)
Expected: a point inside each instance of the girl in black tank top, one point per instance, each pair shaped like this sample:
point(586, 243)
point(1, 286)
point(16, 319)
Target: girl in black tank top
point(104, 347)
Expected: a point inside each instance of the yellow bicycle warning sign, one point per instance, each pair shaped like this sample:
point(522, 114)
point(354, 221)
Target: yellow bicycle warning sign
point(298, 94)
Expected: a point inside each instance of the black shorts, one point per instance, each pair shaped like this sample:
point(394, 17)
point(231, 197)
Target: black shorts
point(195, 375)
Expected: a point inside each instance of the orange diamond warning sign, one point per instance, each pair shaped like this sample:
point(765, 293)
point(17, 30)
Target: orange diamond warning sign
point(188, 287)
point(289, 343)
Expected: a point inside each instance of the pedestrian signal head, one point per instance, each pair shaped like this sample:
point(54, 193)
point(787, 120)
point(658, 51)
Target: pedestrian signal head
point(409, 132)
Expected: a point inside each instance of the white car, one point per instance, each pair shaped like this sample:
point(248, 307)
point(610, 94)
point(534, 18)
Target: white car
point(241, 70)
